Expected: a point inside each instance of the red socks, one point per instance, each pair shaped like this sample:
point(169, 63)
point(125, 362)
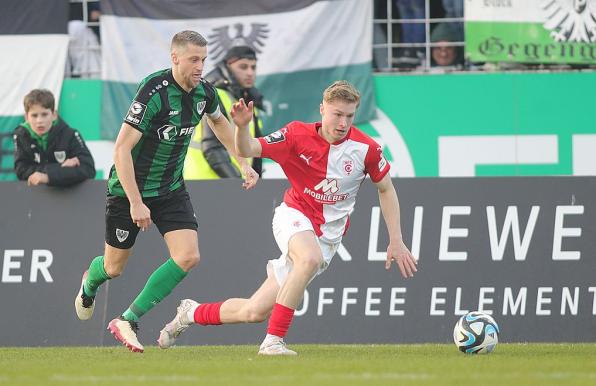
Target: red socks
point(280, 320)
point(208, 314)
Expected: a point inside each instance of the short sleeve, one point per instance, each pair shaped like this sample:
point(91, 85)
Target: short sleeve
point(212, 108)
point(277, 145)
point(375, 163)
point(143, 108)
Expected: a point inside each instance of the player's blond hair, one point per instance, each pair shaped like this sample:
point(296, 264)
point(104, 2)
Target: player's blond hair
point(341, 90)
point(40, 97)
point(184, 38)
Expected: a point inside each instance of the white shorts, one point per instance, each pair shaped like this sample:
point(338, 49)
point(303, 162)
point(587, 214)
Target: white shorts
point(286, 223)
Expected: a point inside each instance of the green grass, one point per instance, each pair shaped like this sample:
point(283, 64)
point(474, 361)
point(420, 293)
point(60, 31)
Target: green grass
point(509, 364)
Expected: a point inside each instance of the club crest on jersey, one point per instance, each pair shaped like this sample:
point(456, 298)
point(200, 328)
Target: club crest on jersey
point(275, 137)
point(201, 106)
point(121, 234)
point(60, 156)
point(136, 112)
point(348, 166)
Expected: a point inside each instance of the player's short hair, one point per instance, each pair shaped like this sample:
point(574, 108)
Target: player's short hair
point(184, 38)
point(41, 97)
point(341, 90)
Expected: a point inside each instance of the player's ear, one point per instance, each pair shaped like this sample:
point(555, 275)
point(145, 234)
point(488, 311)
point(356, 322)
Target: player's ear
point(174, 57)
point(321, 109)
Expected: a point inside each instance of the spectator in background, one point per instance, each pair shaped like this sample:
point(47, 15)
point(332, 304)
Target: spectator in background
point(84, 58)
point(445, 54)
point(455, 9)
point(47, 150)
point(410, 57)
point(234, 78)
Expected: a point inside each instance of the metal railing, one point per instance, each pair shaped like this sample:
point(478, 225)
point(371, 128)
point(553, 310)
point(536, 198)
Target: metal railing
point(84, 50)
point(391, 42)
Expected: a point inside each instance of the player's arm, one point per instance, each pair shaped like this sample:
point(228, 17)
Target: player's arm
point(246, 145)
point(224, 132)
point(397, 250)
point(127, 139)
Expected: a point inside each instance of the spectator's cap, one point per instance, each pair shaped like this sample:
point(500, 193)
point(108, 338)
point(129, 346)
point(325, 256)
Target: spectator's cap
point(240, 52)
point(445, 32)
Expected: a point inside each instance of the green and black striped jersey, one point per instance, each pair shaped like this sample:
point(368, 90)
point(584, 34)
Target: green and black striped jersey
point(167, 116)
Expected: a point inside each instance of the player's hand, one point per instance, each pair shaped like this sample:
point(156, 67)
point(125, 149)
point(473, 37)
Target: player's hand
point(242, 113)
point(71, 163)
point(141, 215)
point(399, 253)
point(38, 178)
point(250, 176)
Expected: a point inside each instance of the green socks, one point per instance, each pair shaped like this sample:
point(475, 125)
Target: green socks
point(96, 276)
point(159, 285)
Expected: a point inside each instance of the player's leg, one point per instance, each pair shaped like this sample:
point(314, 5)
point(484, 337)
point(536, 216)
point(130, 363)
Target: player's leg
point(235, 310)
point(174, 217)
point(120, 236)
point(306, 257)
point(183, 247)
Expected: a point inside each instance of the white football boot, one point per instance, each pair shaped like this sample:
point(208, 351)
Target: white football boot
point(182, 321)
point(125, 331)
point(274, 345)
point(84, 305)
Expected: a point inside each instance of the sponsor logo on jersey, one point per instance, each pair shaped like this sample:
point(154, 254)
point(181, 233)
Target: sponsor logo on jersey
point(121, 234)
point(170, 132)
point(60, 156)
point(201, 106)
point(167, 132)
point(306, 159)
point(173, 112)
point(136, 112)
point(275, 137)
point(324, 192)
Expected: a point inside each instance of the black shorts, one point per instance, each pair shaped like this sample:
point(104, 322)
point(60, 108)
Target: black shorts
point(170, 212)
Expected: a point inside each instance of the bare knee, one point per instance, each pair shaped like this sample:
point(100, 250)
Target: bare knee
point(188, 261)
point(113, 270)
point(308, 263)
point(254, 315)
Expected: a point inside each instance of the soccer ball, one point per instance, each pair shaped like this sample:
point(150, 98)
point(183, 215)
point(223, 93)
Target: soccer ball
point(476, 333)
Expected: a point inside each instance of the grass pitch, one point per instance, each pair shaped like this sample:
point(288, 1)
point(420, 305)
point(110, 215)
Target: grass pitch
point(509, 364)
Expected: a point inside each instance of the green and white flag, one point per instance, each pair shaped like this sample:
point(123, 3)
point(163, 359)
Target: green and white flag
point(531, 31)
point(302, 46)
point(33, 43)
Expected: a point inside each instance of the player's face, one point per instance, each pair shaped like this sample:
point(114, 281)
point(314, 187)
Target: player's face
point(40, 119)
point(336, 118)
point(245, 72)
point(190, 61)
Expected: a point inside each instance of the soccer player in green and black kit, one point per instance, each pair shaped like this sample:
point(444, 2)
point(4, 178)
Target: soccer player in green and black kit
point(146, 184)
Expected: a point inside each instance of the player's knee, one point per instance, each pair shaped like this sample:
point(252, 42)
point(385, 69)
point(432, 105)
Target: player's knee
point(188, 261)
point(254, 315)
point(309, 263)
point(113, 270)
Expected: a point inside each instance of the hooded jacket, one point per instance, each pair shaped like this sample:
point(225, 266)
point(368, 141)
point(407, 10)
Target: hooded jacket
point(33, 153)
point(213, 151)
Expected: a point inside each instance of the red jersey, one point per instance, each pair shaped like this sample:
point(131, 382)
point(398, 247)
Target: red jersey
point(324, 177)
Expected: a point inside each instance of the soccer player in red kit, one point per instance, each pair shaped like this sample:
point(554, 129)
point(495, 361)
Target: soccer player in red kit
point(325, 162)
